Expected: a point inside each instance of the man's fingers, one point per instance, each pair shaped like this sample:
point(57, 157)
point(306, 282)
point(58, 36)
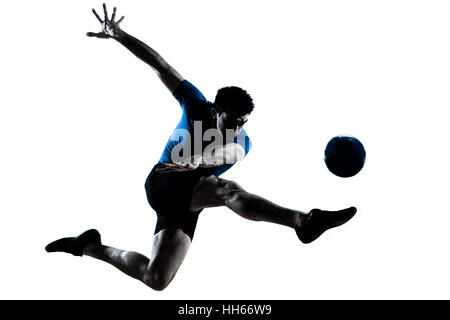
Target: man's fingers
point(105, 11)
point(120, 20)
point(163, 170)
point(97, 34)
point(168, 165)
point(114, 14)
point(95, 13)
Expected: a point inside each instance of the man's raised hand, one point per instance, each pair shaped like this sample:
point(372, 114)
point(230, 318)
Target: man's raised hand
point(110, 28)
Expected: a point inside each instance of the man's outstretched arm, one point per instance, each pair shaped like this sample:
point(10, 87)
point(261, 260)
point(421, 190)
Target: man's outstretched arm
point(111, 29)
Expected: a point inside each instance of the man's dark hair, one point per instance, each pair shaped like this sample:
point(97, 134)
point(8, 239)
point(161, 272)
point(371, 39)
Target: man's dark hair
point(234, 100)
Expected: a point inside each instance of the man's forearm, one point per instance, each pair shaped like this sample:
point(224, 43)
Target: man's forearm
point(142, 51)
point(230, 153)
point(168, 75)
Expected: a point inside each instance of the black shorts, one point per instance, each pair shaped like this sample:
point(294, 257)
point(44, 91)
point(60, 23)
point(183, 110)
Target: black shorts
point(170, 194)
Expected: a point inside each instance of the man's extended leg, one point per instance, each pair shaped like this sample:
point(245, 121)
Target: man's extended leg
point(212, 191)
point(170, 246)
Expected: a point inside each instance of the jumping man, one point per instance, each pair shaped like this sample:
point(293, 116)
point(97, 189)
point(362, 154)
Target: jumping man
point(186, 178)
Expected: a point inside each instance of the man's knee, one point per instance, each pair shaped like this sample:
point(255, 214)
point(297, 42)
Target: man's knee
point(212, 191)
point(157, 280)
point(236, 197)
point(226, 190)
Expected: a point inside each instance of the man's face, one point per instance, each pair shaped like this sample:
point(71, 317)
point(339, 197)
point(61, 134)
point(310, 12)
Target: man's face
point(226, 120)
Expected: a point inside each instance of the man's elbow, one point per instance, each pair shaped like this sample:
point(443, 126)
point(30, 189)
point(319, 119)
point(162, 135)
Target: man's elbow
point(170, 77)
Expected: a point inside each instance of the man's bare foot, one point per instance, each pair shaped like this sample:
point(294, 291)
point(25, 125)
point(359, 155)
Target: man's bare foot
point(318, 221)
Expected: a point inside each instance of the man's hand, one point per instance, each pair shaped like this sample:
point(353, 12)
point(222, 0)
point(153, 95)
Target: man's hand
point(176, 167)
point(110, 28)
point(227, 154)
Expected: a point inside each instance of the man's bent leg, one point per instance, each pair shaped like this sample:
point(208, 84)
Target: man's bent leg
point(170, 246)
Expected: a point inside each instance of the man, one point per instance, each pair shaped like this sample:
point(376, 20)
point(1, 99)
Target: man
point(183, 182)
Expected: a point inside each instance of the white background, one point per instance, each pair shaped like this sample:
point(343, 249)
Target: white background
point(83, 121)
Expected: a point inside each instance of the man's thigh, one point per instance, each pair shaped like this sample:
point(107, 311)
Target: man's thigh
point(211, 191)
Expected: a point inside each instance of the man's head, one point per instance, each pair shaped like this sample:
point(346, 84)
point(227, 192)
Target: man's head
point(231, 109)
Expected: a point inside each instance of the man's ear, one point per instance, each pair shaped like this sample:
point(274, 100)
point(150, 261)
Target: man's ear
point(214, 113)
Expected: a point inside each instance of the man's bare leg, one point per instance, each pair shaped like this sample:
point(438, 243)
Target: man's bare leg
point(170, 247)
point(212, 191)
